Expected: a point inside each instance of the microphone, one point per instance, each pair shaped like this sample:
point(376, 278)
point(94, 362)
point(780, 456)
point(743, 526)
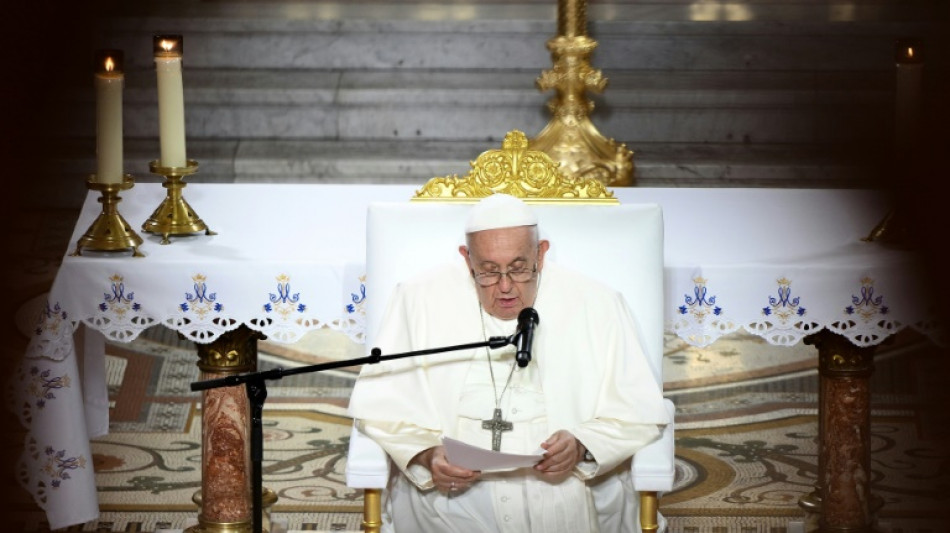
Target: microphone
point(527, 320)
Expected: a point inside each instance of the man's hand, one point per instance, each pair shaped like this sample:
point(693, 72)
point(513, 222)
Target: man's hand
point(447, 477)
point(562, 452)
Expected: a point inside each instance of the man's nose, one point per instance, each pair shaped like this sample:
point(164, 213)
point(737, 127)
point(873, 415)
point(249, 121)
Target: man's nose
point(505, 283)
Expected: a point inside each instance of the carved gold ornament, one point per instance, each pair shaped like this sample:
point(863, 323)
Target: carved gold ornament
point(232, 353)
point(514, 169)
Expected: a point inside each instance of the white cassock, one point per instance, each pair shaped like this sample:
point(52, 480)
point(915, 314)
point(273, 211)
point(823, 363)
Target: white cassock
point(587, 375)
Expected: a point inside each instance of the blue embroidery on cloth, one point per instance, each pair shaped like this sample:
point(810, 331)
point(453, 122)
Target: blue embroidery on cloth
point(867, 304)
point(784, 306)
point(699, 305)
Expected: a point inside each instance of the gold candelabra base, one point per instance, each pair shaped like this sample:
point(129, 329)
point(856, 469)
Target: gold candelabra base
point(570, 138)
point(891, 230)
point(174, 216)
point(584, 152)
point(109, 232)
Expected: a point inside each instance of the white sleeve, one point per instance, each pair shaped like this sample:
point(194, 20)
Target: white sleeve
point(402, 442)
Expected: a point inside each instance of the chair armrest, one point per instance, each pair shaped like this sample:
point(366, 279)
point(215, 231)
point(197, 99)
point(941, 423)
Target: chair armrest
point(653, 466)
point(367, 466)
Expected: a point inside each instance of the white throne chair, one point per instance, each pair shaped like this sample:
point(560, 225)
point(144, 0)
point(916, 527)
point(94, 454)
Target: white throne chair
point(622, 245)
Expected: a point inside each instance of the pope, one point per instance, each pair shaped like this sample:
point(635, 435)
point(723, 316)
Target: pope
point(587, 398)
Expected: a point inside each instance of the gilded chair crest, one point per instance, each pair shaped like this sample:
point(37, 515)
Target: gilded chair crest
point(514, 169)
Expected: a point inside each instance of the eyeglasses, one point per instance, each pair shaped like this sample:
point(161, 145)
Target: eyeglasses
point(487, 279)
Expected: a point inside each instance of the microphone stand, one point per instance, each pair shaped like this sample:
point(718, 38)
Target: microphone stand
point(257, 392)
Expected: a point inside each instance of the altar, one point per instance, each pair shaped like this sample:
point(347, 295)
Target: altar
point(783, 264)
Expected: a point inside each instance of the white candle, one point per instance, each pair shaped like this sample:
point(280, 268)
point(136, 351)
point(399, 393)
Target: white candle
point(907, 93)
point(109, 80)
point(171, 100)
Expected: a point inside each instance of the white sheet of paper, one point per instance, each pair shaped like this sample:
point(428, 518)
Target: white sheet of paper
point(475, 458)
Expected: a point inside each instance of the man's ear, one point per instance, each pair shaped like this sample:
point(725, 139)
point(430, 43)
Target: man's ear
point(543, 246)
point(463, 250)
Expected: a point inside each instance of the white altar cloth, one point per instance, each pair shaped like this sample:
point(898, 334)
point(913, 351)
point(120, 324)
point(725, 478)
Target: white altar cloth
point(779, 263)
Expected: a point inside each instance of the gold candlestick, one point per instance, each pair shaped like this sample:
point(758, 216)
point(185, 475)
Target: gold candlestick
point(109, 232)
point(174, 216)
point(570, 138)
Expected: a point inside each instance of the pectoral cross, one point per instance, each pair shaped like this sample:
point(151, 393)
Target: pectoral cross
point(496, 425)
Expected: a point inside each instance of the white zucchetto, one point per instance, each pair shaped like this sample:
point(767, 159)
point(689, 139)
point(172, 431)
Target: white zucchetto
point(499, 211)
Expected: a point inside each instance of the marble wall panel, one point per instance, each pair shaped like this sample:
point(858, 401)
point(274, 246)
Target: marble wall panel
point(439, 122)
point(355, 50)
point(745, 52)
point(741, 125)
point(683, 45)
point(674, 117)
point(439, 87)
point(244, 121)
point(366, 161)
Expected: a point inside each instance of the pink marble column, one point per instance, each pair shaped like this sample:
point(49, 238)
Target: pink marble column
point(843, 496)
point(225, 498)
point(225, 455)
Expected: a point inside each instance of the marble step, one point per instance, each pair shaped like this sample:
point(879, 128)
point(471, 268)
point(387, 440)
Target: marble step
point(802, 35)
point(647, 106)
point(415, 161)
point(770, 93)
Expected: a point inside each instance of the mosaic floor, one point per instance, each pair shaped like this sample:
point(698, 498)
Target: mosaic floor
point(745, 448)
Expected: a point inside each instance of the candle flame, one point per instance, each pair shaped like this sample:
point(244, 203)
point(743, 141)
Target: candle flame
point(167, 45)
point(910, 52)
point(110, 64)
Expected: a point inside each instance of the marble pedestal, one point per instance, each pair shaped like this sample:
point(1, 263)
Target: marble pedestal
point(225, 499)
point(842, 497)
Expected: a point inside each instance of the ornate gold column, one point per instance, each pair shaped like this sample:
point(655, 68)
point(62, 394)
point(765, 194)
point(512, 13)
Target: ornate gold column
point(225, 498)
point(842, 496)
point(570, 138)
